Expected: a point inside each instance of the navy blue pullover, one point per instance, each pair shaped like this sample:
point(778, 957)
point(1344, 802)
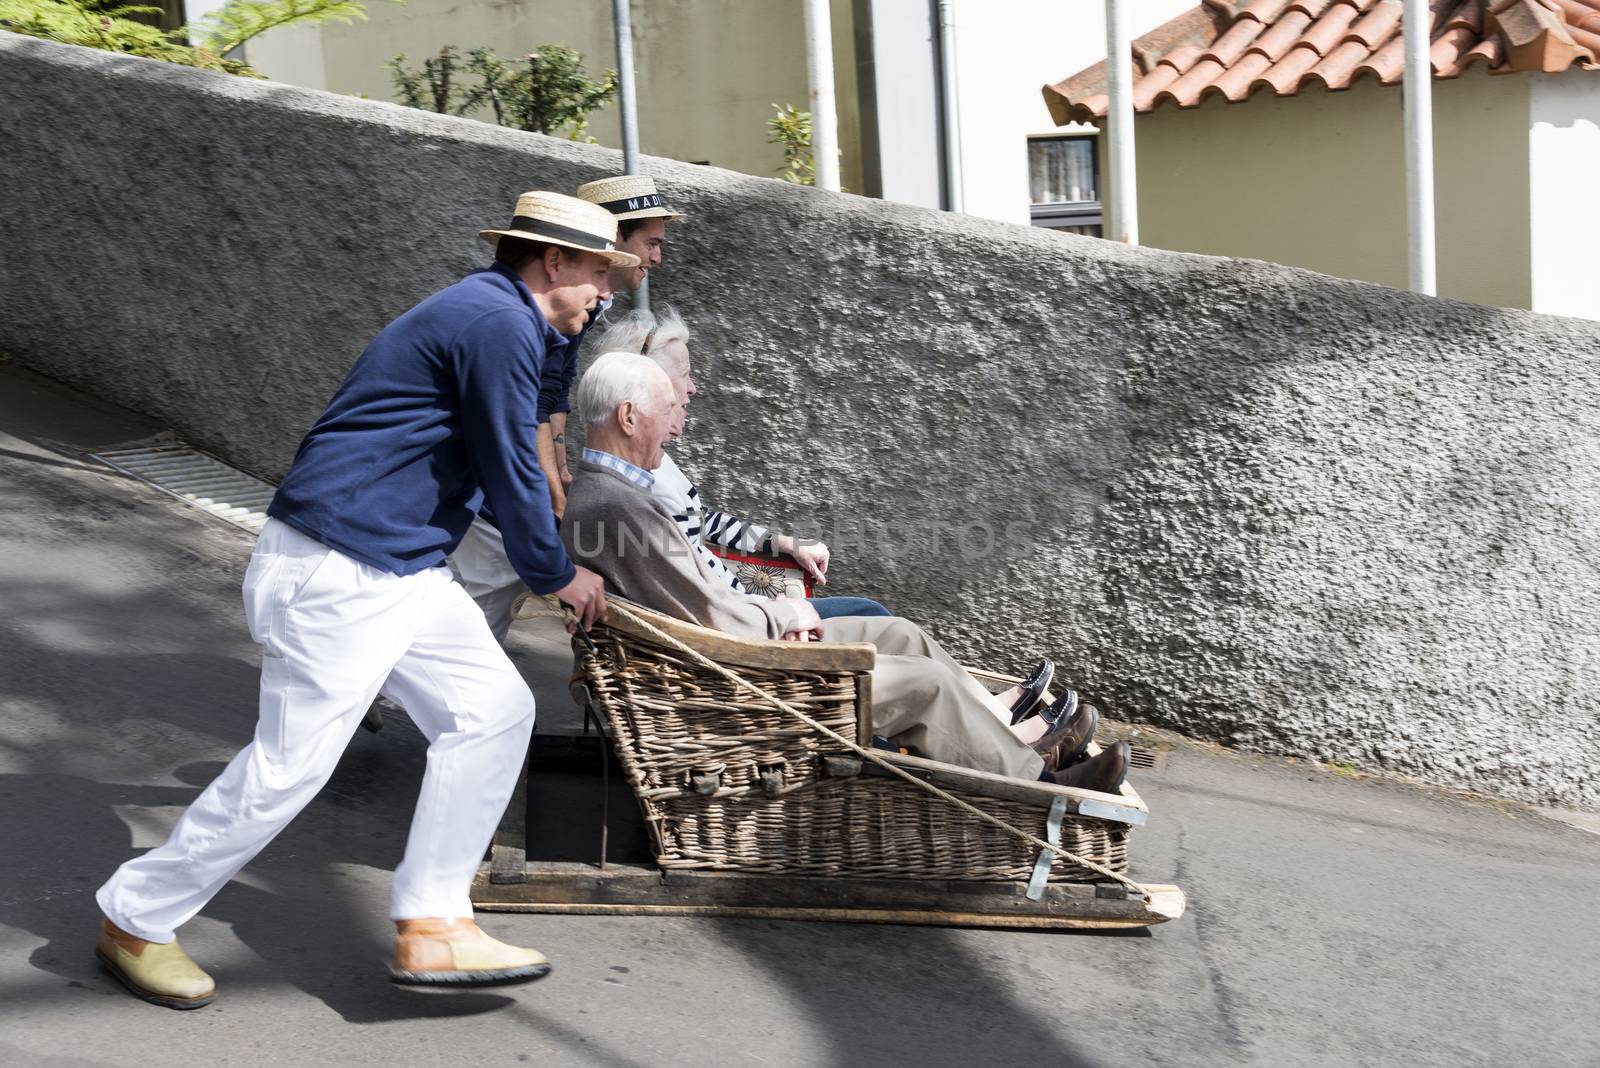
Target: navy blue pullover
point(561, 370)
point(436, 418)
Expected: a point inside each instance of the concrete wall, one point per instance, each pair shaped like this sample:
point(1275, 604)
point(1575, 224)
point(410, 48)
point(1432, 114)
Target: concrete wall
point(1257, 504)
point(708, 71)
point(1318, 181)
point(1564, 167)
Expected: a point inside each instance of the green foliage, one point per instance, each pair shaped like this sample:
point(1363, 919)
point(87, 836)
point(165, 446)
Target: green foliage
point(791, 128)
point(238, 21)
point(429, 88)
point(114, 27)
point(547, 91)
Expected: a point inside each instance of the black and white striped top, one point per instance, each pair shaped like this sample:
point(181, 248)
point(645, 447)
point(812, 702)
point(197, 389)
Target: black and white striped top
point(701, 527)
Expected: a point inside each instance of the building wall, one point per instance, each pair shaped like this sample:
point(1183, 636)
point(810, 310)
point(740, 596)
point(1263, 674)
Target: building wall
point(1257, 504)
point(1006, 51)
point(1565, 168)
point(1317, 180)
point(708, 71)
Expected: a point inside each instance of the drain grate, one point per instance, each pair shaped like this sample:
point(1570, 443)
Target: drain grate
point(199, 479)
point(1140, 757)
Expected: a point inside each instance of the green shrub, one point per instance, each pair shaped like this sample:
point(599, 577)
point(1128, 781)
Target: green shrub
point(115, 27)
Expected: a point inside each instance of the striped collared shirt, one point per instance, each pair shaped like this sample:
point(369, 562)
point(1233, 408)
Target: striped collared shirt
point(636, 475)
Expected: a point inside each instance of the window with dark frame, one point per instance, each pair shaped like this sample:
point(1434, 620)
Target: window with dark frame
point(1064, 183)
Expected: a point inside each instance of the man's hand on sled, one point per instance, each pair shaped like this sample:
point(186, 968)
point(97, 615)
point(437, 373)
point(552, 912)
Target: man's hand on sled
point(809, 628)
point(586, 593)
point(811, 555)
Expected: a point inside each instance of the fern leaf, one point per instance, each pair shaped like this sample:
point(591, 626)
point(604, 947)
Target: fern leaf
point(238, 21)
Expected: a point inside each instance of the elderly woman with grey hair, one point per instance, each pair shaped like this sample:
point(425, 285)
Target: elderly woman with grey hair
point(665, 339)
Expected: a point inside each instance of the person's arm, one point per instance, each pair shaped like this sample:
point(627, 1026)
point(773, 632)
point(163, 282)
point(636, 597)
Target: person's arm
point(558, 435)
point(548, 466)
point(668, 578)
point(499, 357)
point(731, 532)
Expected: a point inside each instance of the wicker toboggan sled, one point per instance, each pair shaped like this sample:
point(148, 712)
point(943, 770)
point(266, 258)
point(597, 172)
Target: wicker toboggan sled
point(750, 810)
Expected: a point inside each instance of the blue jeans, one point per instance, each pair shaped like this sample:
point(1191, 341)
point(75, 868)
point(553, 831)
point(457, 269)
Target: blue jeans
point(829, 607)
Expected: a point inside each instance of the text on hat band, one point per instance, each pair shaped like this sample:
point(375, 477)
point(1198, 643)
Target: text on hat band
point(648, 200)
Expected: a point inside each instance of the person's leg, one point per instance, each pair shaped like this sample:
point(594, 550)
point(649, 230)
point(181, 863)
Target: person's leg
point(330, 629)
point(484, 570)
point(919, 703)
point(476, 711)
point(924, 699)
point(900, 637)
point(834, 607)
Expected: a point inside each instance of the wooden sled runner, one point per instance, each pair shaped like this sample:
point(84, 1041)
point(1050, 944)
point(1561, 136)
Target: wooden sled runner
point(750, 811)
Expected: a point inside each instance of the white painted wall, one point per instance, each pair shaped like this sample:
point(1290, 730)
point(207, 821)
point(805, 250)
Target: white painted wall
point(1006, 50)
point(1564, 165)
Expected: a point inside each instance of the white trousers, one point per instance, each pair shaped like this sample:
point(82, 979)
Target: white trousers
point(485, 572)
point(333, 632)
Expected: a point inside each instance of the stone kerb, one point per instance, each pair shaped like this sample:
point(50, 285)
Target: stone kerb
point(1253, 503)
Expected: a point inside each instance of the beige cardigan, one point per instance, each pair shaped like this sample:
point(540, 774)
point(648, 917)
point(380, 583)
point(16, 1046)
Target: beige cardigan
point(621, 531)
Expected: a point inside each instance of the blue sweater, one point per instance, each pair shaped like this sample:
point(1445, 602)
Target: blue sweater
point(435, 419)
point(561, 370)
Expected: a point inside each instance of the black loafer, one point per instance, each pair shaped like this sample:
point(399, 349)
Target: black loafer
point(1032, 690)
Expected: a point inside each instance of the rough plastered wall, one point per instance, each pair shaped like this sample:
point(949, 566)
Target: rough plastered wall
point(1254, 503)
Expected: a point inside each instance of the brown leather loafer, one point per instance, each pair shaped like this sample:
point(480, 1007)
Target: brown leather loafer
point(1104, 772)
point(455, 952)
point(158, 972)
point(1071, 735)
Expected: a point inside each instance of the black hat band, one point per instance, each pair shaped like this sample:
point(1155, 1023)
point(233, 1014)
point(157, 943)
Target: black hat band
point(639, 203)
point(555, 232)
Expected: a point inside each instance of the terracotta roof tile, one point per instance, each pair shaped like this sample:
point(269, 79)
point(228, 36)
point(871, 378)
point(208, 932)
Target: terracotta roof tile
point(1282, 35)
point(1181, 59)
point(1236, 81)
point(1448, 48)
point(1283, 77)
point(1338, 65)
point(1388, 63)
point(1218, 48)
point(1581, 14)
point(1262, 10)
point(1186, 90)
point(1231, 45)
point(1145, 90)
point(1377, 26)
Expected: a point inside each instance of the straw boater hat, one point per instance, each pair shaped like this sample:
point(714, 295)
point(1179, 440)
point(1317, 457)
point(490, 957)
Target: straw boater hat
point(630, 196)
point(557, 219)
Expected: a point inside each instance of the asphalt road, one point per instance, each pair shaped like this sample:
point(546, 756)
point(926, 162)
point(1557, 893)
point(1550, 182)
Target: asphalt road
point(1333, 920)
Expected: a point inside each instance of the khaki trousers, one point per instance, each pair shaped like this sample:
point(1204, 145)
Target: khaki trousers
point(923, 699)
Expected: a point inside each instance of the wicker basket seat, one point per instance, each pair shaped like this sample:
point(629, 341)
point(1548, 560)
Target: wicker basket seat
point(727, 782)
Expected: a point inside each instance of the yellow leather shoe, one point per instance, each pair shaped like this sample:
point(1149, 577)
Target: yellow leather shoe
point(160, 973)
point(454, 952)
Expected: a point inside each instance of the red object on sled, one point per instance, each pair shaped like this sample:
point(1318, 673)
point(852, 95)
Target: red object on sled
point(769, 576)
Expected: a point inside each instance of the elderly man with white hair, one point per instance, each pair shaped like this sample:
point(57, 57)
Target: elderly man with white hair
point(922, 698)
